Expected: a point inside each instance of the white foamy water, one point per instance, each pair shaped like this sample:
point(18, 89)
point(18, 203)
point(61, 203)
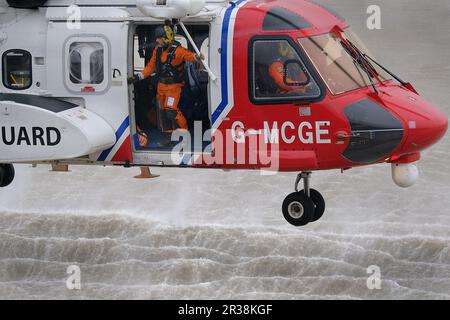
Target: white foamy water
point(202, 234)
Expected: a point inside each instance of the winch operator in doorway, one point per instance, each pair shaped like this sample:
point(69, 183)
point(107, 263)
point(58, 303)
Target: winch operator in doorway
point(167, 64)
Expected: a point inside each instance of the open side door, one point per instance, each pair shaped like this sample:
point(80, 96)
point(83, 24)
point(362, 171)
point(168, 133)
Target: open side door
point(155, 140)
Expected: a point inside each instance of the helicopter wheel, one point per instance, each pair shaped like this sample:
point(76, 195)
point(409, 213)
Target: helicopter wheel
point(298, 209)
point(319, 204)
point(7, 174)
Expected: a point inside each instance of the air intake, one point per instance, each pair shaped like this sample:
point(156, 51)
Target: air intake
point(30, 4)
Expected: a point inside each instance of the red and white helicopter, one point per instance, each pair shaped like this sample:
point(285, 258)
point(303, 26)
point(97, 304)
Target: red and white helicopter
point(64, 96)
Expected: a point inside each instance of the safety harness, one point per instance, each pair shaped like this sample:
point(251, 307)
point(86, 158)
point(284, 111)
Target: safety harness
point(166, 72)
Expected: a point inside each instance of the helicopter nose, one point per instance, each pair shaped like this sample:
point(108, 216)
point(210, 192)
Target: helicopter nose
point(426, 132)
point(440, 127)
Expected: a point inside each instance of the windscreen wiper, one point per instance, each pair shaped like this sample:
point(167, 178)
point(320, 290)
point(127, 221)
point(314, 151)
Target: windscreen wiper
point(405, 84)
point(386, 70)
point(366, 57)
point(362, 62)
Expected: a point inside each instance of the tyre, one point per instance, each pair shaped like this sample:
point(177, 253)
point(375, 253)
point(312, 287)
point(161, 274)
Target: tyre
point(319, 204)
point(298, 209)
point(7, 174)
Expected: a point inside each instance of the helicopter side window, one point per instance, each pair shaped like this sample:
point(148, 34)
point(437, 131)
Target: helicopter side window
point(279, 75)
point(86, 63)
point(17, 73)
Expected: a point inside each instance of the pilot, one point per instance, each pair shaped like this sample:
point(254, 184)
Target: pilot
point(276, 71)
point(167, 64)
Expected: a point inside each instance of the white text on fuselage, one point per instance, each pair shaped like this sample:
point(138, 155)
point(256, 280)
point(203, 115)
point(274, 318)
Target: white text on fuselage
point(306, 132)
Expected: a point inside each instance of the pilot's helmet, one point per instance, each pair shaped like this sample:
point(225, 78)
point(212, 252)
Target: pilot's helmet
point(165, 33)
point(283, 48)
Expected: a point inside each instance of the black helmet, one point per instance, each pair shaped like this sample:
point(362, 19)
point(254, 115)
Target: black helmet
point(160, 32)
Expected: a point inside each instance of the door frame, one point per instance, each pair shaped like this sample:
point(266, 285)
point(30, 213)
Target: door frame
point(160, 157)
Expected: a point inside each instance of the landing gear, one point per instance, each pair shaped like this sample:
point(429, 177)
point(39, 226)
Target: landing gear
point(305, 206)
point(298, 209)
point(7, 174)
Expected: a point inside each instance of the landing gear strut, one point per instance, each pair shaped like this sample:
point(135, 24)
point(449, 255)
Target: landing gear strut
point(7, 174)
point(304, 206)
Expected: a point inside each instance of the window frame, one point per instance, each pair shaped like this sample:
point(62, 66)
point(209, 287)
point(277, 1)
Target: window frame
point(303, 58)
point(78, 88)
point(5, 69)
point(295, 84)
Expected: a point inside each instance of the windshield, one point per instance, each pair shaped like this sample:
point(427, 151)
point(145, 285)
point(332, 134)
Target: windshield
point(336, 66)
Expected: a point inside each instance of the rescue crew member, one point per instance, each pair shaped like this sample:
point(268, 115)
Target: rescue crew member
point(167, 64)
point(277, 71)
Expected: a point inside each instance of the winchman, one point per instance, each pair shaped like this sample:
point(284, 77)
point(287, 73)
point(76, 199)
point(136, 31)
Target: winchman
point(277, 71)
point(168, 65)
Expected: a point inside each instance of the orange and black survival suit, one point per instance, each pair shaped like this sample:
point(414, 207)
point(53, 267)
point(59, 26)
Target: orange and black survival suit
point(168, 65)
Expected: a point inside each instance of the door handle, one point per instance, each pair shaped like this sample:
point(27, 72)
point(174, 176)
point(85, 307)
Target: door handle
point(343, 135)
point(115, 72)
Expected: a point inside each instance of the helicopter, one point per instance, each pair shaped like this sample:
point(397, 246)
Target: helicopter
point(65, 98)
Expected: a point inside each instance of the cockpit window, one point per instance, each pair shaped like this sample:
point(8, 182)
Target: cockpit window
point(281, 19)
point(17, 69)
point(335, 64)
point(278, 74)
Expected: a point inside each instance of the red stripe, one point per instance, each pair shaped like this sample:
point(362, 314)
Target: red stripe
point(124, 153)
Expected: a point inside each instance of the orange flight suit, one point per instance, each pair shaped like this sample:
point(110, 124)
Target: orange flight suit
point(169, 94)
point(276, 71)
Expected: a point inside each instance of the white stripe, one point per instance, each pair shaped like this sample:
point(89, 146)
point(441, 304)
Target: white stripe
point(117, 146)
point(230, 74)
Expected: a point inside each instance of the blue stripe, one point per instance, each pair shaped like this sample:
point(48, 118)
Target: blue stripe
point(125, 124)
point(136, 141)
point(224, 61)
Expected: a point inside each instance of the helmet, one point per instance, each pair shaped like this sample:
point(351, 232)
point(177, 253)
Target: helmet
point(165, 33)
point(283, 48)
